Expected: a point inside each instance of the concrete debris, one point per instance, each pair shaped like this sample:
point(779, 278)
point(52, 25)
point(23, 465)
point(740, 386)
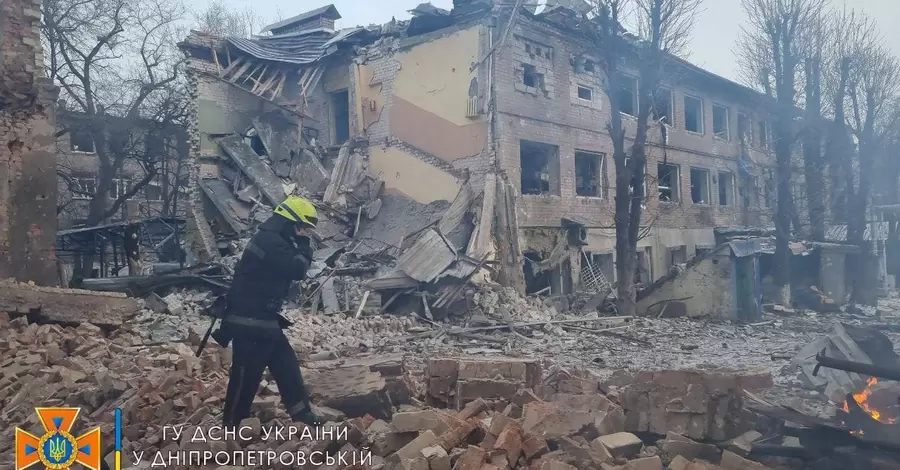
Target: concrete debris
point(466, 406)
point(847, 342)
point(165, 385)
point(67, 306)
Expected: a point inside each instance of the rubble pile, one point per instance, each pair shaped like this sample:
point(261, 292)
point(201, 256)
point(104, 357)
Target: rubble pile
point(529, 309)
point(462, 413)
point(338, 332)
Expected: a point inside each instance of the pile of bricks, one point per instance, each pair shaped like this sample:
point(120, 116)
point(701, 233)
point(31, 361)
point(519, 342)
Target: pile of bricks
point(55, 366)
point(486, 414)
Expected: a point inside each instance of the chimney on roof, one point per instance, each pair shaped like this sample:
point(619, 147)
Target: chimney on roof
point(323, 17)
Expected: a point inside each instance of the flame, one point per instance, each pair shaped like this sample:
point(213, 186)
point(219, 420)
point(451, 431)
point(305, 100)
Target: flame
point(862, 398)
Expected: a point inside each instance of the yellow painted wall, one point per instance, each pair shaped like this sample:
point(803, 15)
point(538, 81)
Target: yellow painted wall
point(435, 75)
point(404, 173)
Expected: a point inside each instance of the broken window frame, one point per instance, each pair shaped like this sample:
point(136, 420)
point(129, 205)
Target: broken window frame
point(119, 187)
point(603, 262)
point(702, 250)
point(590, 93)
point(672, 188)
point(599, 172)
point(85, 187)
point(154, 183)
point(338, 125)
point(660, 93)
point(631, 186)
point(764, 138)
point(671, 253)
point(553, 187)
point(744, 128)
point(707, 181)
point(530, 70)
point(633, 100)
point(583, 65)
point(82, 136)
point(722, 134)
point(700, 117)
point(723, 191)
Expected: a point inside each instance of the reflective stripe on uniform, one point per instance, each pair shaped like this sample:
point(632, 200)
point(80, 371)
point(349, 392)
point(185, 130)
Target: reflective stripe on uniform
point(254, 322)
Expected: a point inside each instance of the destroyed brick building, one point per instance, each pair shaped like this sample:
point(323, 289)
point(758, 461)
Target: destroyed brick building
point(465, 99)
point(27, 179)
point(165, 145)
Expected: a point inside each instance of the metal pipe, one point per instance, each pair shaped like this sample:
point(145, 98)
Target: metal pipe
point(858, 367)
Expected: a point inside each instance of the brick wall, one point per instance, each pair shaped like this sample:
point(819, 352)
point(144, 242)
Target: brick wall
point(553, 113)
point(79, 164)
point(27, 177)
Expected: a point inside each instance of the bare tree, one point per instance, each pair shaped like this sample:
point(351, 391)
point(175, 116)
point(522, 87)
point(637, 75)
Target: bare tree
point(772, 49)
point(220, 20)
point(662, 32)
point(116, 63)
point(872, 88)
point(816, 57)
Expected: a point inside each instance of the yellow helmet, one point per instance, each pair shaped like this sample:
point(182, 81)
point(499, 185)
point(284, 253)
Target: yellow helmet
point(298, 210)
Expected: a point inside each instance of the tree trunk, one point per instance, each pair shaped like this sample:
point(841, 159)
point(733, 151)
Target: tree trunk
point(783, 209)
point(626, 256)
point(812, 151)
point(865, 274)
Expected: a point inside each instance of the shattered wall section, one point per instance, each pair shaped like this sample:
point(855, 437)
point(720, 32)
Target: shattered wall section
point(420, 108)
point(706, 288)
point(200, 233)
point(27, 160)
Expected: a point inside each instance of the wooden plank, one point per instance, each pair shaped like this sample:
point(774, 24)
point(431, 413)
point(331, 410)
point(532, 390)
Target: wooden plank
point(216, 59)
point(231, 66)
point(240, 71)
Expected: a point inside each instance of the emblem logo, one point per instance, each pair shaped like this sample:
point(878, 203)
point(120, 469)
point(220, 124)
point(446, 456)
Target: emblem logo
point(57, 449)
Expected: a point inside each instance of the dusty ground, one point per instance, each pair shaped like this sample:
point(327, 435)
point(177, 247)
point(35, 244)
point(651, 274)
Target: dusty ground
point(640, 344)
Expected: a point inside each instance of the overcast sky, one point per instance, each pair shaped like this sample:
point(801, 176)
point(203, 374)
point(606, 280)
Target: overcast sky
point(713, 38)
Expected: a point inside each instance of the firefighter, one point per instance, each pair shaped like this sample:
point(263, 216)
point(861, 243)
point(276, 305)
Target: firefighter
point(277, 254)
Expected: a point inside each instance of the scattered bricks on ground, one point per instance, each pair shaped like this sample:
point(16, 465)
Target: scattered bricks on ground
point(486, 413)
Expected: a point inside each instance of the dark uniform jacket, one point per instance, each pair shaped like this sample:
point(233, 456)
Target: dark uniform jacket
point(271, 261)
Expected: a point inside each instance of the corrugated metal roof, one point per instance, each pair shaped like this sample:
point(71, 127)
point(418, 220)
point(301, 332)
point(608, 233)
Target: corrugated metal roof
point(301, 49)
point(838, 233)
point(427, 258)
point(457, 210)
point(329, 11)
point(341, 35)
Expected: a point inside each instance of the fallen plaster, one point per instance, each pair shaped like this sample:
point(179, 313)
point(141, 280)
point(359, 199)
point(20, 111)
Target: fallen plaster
point(398, 217)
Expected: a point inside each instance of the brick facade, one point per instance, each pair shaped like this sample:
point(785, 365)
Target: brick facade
point(81, 169)
point(547, 108)
point(558, 117)
point(27, 177)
